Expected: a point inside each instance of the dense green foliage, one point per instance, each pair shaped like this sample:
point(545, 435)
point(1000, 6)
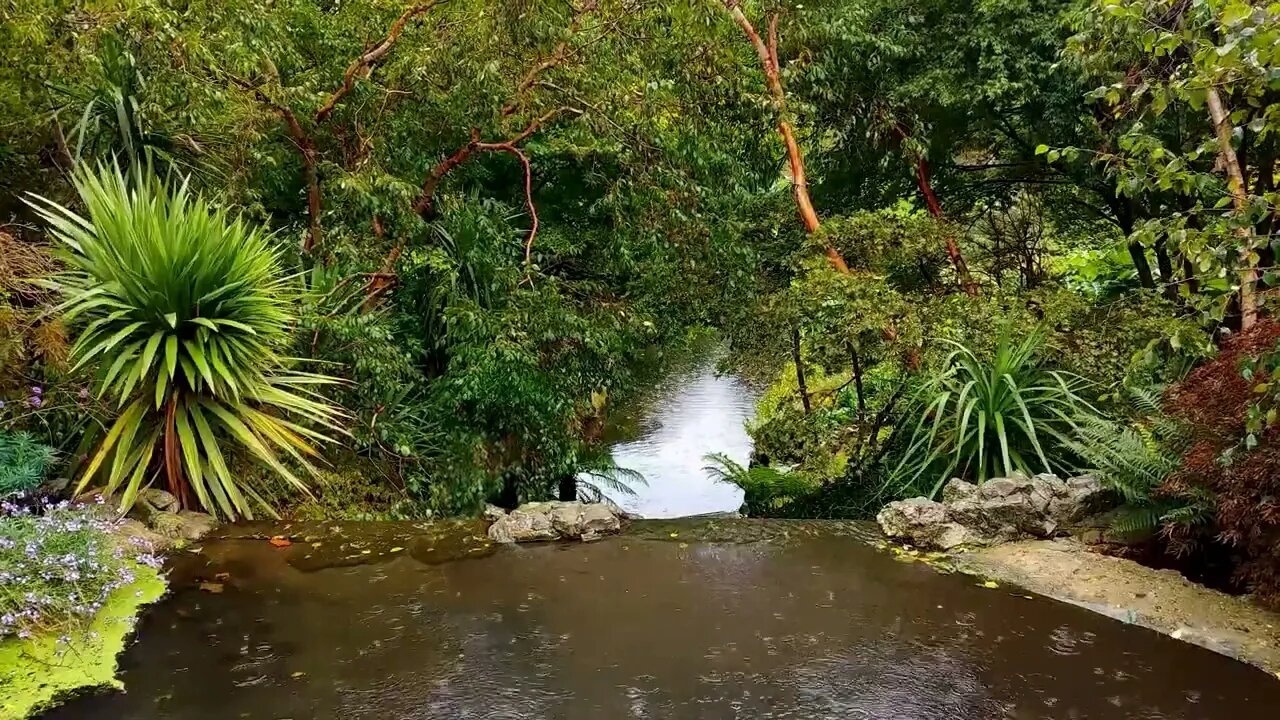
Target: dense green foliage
point(492, 212)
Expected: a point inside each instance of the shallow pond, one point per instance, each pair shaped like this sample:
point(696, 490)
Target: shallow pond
point(678, 619)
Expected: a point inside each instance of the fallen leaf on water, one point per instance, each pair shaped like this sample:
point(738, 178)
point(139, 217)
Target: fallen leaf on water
point(396, 549)
point(675, 534)
point(211, 587)
point(280, 541)
point(684, 545)
point(366, 552)
point(297, 674)
point(990, 585)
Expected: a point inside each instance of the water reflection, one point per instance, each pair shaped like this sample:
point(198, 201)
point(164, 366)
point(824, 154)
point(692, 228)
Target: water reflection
point(815, 626)
point(688, 415)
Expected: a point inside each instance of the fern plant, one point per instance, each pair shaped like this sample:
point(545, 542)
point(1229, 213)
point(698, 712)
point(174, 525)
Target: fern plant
point(599, 477)
point(767, 491)
point(987, 418)
point(1136, 459)
point(185, 310)
point(23, 462)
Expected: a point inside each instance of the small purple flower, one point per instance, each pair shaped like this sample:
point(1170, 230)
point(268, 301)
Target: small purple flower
point(84, 393)
point(35, 401)
point(37, 390)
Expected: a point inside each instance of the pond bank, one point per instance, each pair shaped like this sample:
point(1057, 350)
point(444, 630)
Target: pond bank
point(1162, 600)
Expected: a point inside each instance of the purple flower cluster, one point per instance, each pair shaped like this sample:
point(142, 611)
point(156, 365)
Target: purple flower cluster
point(59, 563)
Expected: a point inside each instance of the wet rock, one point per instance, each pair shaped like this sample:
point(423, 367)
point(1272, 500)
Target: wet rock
point(159, 499)
point(533, 522)
point(999, 510)
point(130, 529)
point(924, 522)
point(493, 513)
point(958, 489)
point(185, 525)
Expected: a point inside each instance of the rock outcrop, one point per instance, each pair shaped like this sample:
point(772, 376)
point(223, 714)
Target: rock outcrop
point(160, 513)
point(534, 522)
point(999, 510)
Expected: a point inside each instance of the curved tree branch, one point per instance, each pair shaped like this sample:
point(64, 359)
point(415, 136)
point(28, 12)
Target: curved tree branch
point(364, 64)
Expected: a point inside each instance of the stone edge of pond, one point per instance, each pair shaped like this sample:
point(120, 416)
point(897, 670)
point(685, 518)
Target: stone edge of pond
point(38, 673)
point(1161, 600)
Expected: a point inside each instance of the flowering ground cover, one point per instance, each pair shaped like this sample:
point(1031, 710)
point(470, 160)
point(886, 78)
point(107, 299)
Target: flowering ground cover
point(70, 587)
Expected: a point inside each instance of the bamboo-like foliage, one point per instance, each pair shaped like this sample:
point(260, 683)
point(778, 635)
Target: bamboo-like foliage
point(185, 311)
point(982, 419)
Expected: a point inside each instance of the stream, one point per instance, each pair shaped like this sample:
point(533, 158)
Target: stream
point(666, 434)
point(704, 618)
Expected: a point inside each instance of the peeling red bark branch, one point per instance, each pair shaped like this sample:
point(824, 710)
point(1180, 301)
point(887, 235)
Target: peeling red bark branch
point(557, 56)
point(364, 64)
point(425, 205)
point(799, 184)
point(307, 149)
point(925, 184)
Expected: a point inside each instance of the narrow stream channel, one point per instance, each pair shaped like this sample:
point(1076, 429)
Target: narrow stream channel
point(666, 436)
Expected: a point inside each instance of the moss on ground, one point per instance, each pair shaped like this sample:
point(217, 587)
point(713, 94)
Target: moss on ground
point(35, 672)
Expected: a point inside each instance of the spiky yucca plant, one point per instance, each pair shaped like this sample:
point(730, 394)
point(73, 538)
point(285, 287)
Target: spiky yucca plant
point(186, 311)
point(983, 418)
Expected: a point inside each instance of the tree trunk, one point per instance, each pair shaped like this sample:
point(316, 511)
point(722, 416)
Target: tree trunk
point(857, 385)
point(1189, 275)
point(509, 498)
point(1168, 283)
point(799, 361)
point(1235, 184)
point(1138, 254)
point(568, 488)
point(935, 209)
point(795, 159)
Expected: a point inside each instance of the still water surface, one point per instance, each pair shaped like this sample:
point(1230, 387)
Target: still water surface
point(729, 619)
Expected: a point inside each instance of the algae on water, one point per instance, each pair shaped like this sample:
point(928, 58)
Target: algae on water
point(36, 671)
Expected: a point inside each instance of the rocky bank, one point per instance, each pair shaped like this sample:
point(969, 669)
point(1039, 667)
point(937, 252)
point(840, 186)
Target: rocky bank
point(999, 510)
point(1027, 532)
point(540, 521)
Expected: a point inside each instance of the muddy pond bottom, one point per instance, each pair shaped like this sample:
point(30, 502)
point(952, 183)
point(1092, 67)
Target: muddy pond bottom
point(709, 619)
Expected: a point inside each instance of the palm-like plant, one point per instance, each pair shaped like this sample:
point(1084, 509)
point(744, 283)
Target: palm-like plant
point(185, 310)
point(999, 417)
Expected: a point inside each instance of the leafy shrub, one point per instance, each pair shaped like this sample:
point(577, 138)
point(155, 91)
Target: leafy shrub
point(767, 491)
point(982, 418)
point(59, 566)
point(1244, 477)
point(23, 462)
point(186, 310)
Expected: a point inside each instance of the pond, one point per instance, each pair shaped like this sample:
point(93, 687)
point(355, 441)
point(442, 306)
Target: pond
point(682, 619)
